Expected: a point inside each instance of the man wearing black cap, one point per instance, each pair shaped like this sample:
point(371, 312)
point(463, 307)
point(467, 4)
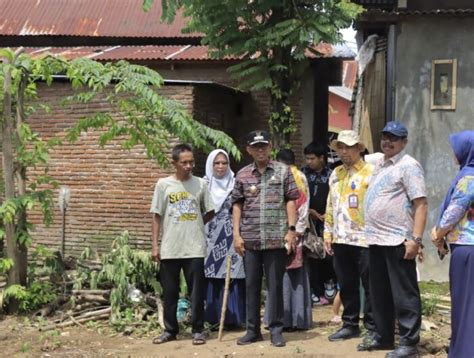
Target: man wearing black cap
point(395, 217)
point(264, 218)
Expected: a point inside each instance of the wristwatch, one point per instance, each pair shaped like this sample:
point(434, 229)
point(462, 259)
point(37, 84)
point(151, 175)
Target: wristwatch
point(418, 240)
point(292, 228)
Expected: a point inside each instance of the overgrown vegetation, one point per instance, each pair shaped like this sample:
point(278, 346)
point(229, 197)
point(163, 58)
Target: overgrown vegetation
point(42, 285)
point(129, 273)
point(141, 116)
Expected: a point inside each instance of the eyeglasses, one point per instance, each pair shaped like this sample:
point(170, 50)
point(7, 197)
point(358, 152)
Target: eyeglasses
point(391, 137)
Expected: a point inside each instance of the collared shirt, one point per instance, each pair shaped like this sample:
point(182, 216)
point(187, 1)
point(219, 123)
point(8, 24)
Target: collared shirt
point(389, 212)
point(344, 222)
point(264, 220)
point(460, 213)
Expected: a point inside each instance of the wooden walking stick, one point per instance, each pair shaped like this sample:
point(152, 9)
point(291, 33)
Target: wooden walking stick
point(226, 296)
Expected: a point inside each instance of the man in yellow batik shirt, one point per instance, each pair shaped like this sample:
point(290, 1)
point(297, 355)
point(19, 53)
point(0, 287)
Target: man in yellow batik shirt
point(344, 232)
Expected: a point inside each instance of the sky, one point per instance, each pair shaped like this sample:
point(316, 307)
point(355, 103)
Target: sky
point(349, 38)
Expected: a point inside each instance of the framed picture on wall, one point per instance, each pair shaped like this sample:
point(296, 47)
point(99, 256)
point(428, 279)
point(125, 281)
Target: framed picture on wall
point(443, 84)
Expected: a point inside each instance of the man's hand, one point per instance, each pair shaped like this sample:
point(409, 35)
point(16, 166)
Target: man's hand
point(239, 245)
point(421, 256)
point(315, 215)
point(155, 254)
point(328, 247)
point(290, 240)
point(411, 249)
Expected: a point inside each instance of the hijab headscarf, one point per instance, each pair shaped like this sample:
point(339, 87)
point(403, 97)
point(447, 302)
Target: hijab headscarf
point(220, 188)
point(463, 148)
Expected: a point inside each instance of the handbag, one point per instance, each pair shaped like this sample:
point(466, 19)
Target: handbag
point(312, 243)
point(295, 259)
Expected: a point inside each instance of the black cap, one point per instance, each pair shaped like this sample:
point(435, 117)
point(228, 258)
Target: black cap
point(255, 137)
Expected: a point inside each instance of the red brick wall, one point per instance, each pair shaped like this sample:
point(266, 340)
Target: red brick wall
point(111, 189)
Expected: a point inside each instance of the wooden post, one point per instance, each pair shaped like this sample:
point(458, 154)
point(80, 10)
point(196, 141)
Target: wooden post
point(226, 296)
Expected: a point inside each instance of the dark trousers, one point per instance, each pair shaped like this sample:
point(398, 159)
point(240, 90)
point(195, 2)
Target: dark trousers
point(461, 281)
point(194, 275)
point(320, 272)
point(273, 263)
point(395, 294)
point(351, 264)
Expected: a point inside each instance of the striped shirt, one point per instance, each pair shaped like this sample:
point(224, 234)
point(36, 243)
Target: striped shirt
point(264, 220)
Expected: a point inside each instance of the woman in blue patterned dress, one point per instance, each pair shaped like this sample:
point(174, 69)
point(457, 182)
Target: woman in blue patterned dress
point(220, 179)
point(456, 223)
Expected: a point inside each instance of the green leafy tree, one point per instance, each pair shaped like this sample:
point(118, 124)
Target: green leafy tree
point(272, 37)
point(141, 116)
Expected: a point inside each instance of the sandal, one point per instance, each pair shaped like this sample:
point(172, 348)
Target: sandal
point(165, 337)
point(199, 339)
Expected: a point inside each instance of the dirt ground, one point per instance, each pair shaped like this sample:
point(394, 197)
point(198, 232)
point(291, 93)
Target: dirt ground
point(19, 339)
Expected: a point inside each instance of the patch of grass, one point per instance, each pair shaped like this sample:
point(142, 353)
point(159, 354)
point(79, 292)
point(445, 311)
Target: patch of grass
point(299, 349)
point(432, 287)
point(25, 347)
point(50, 340)
point(431, 291)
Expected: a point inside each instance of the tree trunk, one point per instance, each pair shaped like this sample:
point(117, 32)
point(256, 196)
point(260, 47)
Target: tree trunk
point(281, 121)
point(281, 116)
point(21, 184)
point(17, 274)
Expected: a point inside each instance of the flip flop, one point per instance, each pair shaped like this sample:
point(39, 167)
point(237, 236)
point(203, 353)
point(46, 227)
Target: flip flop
point(199, 339)
point(165, 337)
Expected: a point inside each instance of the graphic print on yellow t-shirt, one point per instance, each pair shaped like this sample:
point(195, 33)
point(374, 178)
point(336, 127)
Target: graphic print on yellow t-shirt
point(183, 207)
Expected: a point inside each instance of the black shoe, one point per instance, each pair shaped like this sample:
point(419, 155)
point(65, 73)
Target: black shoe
point(277, 340)
point(345, 333)
point(249, 338)
point(372, 344)
point(404, 352)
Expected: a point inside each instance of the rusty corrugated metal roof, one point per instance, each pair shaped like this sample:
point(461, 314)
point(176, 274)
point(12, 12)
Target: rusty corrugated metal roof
point(456, 12)
point(407, 12)
point(130, 53)
point(101, 18)
point(326, 50)
point(159, 53)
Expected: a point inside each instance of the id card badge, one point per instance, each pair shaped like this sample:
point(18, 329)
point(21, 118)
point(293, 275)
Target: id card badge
point(353, 201)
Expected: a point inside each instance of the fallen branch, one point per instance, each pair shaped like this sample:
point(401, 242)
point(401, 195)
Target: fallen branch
point(89, 309)
point(92, 298)
point(50, 307)
point(76, 321)
point(91, 292)
point(95, 313)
